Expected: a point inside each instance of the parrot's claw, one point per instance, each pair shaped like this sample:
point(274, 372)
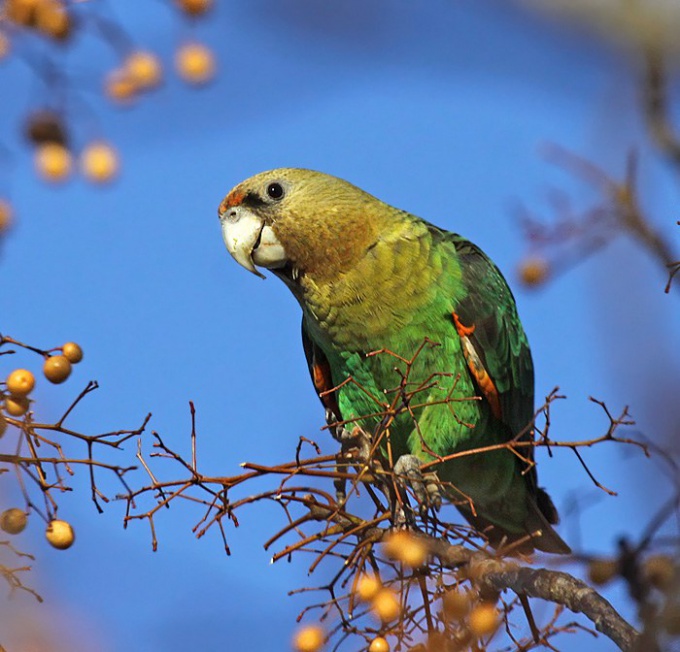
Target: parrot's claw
point(425, 486)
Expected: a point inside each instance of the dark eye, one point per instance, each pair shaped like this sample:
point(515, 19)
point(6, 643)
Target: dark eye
point(275, 190)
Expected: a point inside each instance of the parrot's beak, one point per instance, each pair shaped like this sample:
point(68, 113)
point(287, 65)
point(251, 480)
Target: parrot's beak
point(250, 241)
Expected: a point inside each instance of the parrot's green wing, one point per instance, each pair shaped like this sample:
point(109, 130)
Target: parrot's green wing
point(497, 352)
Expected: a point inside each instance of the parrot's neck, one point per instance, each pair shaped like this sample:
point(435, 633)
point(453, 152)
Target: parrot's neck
point(383, 300)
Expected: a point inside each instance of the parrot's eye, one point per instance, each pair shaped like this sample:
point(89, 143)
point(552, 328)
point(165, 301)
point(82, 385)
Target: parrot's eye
point(275, 190)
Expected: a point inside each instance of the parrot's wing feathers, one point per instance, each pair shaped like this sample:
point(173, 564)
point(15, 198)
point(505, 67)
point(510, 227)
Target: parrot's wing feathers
point(320, 371)
point(498, 337)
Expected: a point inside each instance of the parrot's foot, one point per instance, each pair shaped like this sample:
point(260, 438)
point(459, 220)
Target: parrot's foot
point(355, 451)
point(425, 486)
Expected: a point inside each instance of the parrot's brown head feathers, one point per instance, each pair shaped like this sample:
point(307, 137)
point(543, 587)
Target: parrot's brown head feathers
point(299, 221)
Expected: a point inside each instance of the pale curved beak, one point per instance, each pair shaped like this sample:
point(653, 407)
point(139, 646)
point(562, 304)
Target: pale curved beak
point(250, 241)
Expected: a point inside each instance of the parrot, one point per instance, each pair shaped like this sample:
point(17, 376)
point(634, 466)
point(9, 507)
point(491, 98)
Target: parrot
point(372, 278)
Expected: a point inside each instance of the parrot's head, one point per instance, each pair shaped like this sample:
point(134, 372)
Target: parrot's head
point(299, 223)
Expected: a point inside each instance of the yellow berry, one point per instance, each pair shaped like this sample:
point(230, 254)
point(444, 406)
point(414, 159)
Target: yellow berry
point(195, 63)
point(53, 162)
point(456, 604)
point(72, 352)
point(534, 271)
point(120, 86)
point(13, 520)
point(53, 19)
point(16, 406)
point(4, 45)
point(309, 639)
point(367, 587)
point(379, 644)
point(602, 571)
point(22, 12)
point(386, 605)
point(144, 68)
point(406, 548)
point(99, 162)
point(659, 571)
point(57, 369)
point(5, 215)
point(194, 7)
point(484, 619)
point(670, 618)
point(60, 534)
point(20, 382)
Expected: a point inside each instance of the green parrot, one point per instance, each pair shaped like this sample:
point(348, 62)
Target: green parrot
point(371, 277)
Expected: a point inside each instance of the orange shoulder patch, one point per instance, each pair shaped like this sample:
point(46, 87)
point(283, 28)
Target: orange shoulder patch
point(476, 367)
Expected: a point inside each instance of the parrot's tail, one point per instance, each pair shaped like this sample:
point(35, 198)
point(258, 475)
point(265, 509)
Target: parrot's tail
point(538, 532)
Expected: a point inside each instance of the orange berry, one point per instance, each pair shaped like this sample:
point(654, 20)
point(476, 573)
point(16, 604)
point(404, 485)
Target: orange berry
point(309, 639)
point(195, 63)
point(602, 571)
point(72, 352)
point(379, 644)
point(195, 7)
point(53, 162)
point(20, 382)
point(13, 520)
point(6, 215)
point(22, 12)
point(144, 68)
point(660, 571)
point(99, 162)
point(368, 587)
point(60, 534)
point(57, 369)
point(4, 45)
point(484, 619)
point(53, 19)
point(406, 548)
point(386, 605)
point(534, 271)
point(456, 604)
point(16, 406)
point(120, 86)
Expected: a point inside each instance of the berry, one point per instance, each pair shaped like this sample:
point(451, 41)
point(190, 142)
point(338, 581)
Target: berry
point(120, 86)
point(195, 63)
point(386, 605)
point(13, 520)
point(144, 68)
point(602, 571)
point(484, 619)
point(309, 639)
point(72, 352)
point(60, 534)
point(99, 162)
point(5, 215)
point(20, 382)
point(456, 604)
point(57, 369)
point(16, 406)
point(53, 162)
point(194, 7)
point(406, 548)
point(534, 271)
point(379, 644)
point(368, 587)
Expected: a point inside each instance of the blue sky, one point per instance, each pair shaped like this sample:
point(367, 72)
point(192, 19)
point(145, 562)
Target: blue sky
point(440, 109)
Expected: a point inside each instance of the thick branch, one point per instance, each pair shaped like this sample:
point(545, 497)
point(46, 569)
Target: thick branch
point(562, 588)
